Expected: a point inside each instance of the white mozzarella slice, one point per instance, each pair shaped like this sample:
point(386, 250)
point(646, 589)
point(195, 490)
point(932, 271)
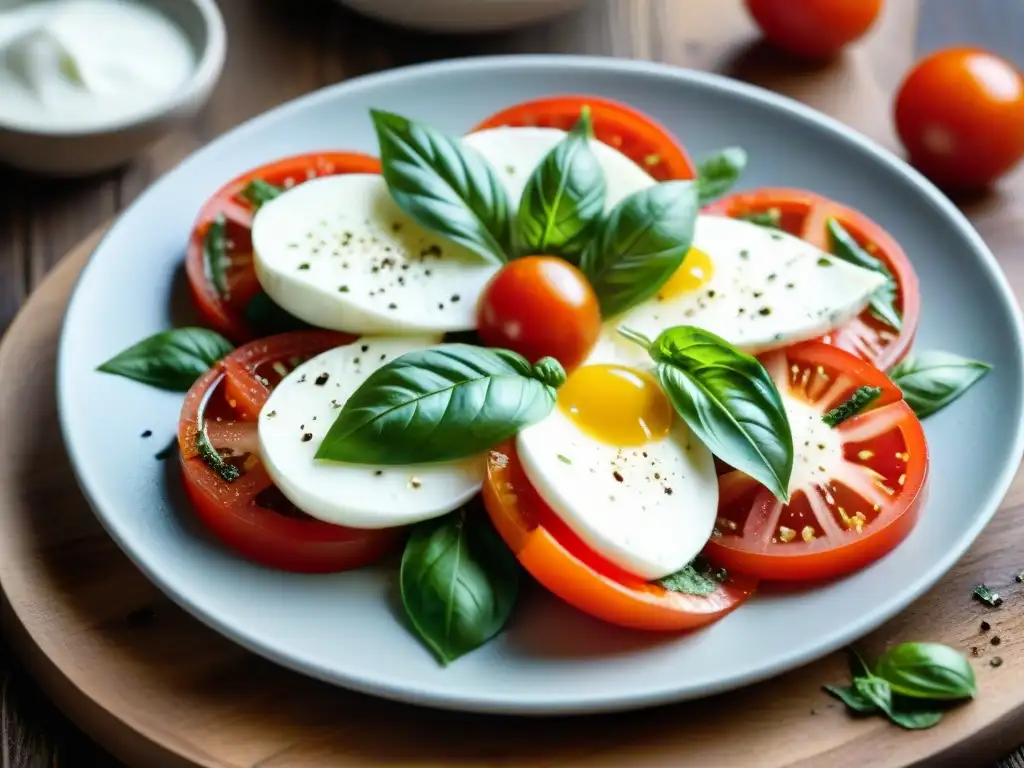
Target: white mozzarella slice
point(768, 290)
point(338, 253)
point(515, 152)
point(648, 509)
point(301, 410)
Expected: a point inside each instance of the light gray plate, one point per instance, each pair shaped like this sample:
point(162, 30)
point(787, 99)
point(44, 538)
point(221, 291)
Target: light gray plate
point(345, 628)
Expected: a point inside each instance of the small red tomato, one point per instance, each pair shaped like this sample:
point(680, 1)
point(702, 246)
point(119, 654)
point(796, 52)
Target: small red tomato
point(960, 114)
point(540, 306)
point(815, 29)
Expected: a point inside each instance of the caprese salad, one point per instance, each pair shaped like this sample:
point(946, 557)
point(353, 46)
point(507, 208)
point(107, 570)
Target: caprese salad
point(552, 345)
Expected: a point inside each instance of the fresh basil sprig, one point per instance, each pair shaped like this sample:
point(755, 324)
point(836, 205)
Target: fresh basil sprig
point(215, 255)
point(729, 401)
point(641, 244)
point(440, 404)
point(910, 682)
point(717, 173)
point(258, 192)
point(932, 380)
point(699, 578)
point(171, 360)
point(563, 202)
point(883, 301)
point(861, 398)
point(458, 582)
point(444, 185)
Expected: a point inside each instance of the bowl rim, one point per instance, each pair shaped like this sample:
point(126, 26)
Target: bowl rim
point(205, 74)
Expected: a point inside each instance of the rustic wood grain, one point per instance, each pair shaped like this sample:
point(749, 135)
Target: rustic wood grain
point(218, 706)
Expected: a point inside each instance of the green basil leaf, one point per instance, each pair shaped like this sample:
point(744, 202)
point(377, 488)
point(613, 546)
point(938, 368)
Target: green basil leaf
point(215, 255)
point(852, 699)
point(267, 317)
point(699, 578)
point(861, 398)
point(858, 667)
point(729, 401)
point(875, 690)
point(258, 192)
point(210, 456)
point(772, 218)
point(459, 583)
point(927, 671)
point(170, 360)
point(564, 199)
point(717, 173)
point(444, 186)
point(883, 301)
point(437, 404)
point(914, 720)
point(932, 380)
point(641, 244)
point(549, 371)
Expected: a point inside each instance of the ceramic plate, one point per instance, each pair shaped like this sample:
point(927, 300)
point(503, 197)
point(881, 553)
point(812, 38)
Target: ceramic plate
point(347, 628)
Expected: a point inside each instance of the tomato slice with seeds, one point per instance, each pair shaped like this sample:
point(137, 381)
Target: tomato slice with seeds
point(248, 513)
point(856, 490)
point(805, 214)
point(562, 563)
point(640, 138)
point(224, 298)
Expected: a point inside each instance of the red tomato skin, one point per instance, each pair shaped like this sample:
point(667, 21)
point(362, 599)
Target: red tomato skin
point(960, 114)
point(814, 29)
point(540, 306)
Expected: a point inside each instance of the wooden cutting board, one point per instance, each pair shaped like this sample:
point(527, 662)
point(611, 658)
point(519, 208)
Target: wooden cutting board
point(157, 688)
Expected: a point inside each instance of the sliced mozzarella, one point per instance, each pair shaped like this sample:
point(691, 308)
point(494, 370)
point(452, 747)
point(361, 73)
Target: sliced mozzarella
point(767, 290)
point(301, 410)
point(338, 253)
point(515, 152)
point(648, 509)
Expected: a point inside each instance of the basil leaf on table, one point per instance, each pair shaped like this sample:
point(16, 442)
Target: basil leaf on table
point(699, 578)
point(852, 699)
point(914, 719)
point(458, 582)
point(883, 301)
point(444, 185)
point(932, 380)
point(729, 401)
point(874, 690)
point(171, 360)
point(927, 671)
point(215, 255)
point(267, 317)
point(641, 244)
point(440, 404)
point(717, 173)
point(258, 192)
point(564, 199)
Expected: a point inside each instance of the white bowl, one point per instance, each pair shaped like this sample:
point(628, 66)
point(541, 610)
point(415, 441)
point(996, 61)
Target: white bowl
point(463, 15)
point(77, 152)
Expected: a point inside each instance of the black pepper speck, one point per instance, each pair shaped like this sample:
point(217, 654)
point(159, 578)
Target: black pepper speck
point(321, 379)
point(147, 433)
point(618, 476)
point(307, 437)
point(996, 661)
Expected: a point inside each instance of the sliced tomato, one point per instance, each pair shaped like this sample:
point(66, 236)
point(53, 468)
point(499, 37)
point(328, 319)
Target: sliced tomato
point(857, 488)
point(249, 514)
point(640, 138)
point(805, 214)
point(562, 563)
point(224, 308)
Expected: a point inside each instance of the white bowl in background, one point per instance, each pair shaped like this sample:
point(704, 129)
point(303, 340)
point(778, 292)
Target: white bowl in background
point(78, 152)
point(463, 15)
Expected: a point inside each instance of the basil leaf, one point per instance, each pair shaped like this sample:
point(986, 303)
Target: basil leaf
point(858, 667)
point(258, 192)
point(215, 255)
point(861, 398)
point(438, 404)
point(641, 244)
point(563, 201)
point(210, 456)
point(875, 690)
point(729, 401)
point(852, 699)
point(699, 578)
point(927, 671)
point(772, 218)
point(549, 371)
point(914, 720)
point(932, 380)
point(883, 301)
point(170, 360)
point(717, 173)
point(267, 317)
point(459, 583)
point(444, 186)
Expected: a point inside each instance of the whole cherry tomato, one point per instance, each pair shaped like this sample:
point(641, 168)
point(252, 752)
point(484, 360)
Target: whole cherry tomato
point(960, 114)
point(814, 29)
point(540, 306)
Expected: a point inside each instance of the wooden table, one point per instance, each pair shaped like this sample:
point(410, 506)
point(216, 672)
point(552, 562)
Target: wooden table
point(280, 49)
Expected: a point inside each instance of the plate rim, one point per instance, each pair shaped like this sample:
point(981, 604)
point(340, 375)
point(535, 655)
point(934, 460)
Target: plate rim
point(494, 702)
